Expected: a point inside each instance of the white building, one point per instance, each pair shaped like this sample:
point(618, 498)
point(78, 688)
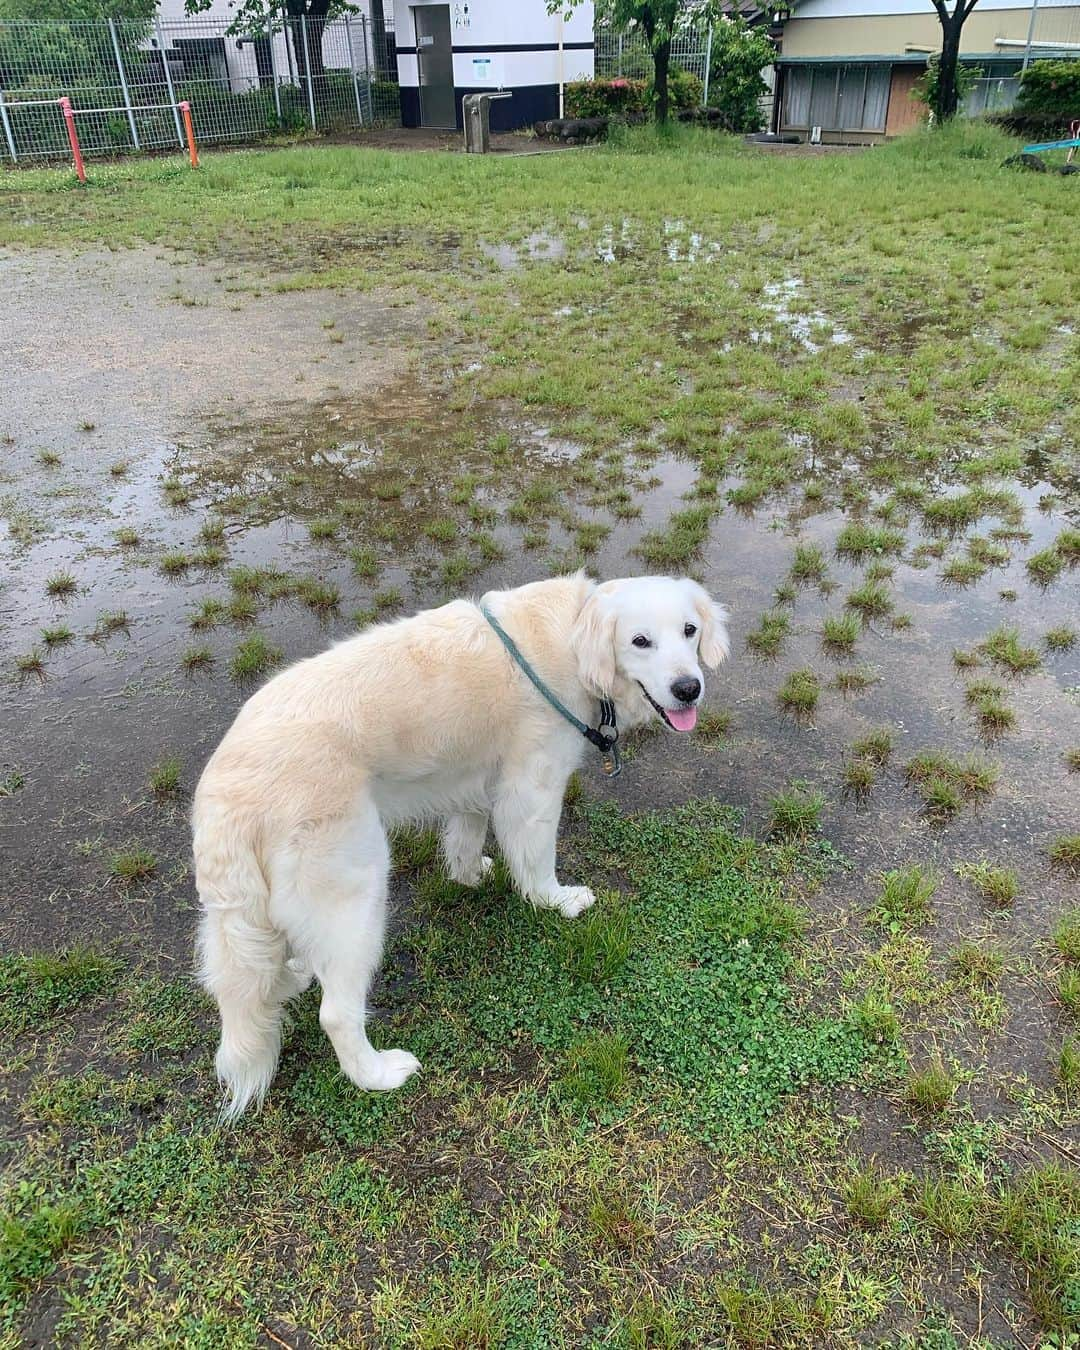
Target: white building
point(445, 51)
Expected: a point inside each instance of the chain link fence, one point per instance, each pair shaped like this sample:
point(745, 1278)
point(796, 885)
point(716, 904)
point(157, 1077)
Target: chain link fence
point(627, 55)
point(124, 80)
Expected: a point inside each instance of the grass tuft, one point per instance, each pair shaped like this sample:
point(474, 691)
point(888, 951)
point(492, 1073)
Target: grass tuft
point(999, 886)
point(796, 812)
point(905, 897)
point(253, 658)
point(799, 694)
point(1065, 854)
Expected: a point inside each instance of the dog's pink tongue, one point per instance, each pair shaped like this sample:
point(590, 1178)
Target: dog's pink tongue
point(682, 719)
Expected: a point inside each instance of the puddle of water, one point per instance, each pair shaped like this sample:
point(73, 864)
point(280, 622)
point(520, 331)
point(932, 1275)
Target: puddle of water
point(780, 297)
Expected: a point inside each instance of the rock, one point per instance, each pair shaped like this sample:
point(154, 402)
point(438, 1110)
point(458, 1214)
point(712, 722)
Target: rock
point(572, 129)
point(1069, 168)
point(1032, 163)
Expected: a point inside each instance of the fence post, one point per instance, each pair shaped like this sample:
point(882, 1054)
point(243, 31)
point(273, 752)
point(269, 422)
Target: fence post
point(124, 84)
point(708, 66)
point(618, 58)
point(352, 70)
point(307, 71)
point(8, 136)
point(273, 69)
point(168, 81)
point(1030, 35)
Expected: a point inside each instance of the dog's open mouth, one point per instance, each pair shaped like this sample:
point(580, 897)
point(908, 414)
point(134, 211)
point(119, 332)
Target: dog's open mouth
point(678, 719)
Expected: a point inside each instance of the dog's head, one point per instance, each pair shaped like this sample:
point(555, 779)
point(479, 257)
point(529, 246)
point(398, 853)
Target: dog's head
point(642, 641)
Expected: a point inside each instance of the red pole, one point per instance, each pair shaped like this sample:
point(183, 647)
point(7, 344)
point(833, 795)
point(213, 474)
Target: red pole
point(73, 137)
point(185, 108)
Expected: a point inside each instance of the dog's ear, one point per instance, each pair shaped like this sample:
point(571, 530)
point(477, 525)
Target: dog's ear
point(592, 640)
point(714, 644)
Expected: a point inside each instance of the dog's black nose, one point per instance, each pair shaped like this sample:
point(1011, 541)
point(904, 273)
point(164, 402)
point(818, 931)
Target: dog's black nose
point(686, 688)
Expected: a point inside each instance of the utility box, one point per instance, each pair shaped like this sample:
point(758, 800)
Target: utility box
point(476, 114)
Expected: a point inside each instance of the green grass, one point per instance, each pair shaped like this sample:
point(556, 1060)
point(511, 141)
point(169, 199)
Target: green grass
point(870, 1196)
point(839, 633)
point(876, 745)
point(856, 540)
point(128, 537)
point(165, 777)
point(931, 1088)
point(133, 865)
point(1045, 567)
point(905, 897)
point(767, 639)
point(40, 986)
point(197, 658)
point(1067, 935)
point(1068, 991)
point(871, 600)
point(1004, 648)
point(1072, 759)
point(60, 584)
point(680, 542)
point(946, 783)
point(855, 681)
point(57, 635)
point(796, 812)
point(714, 727)
point(799, 694)
point(998, 886)
point(253, 658)
point(1061, 639)
point(809, 564)
point(1065, 854)
point(858, 777)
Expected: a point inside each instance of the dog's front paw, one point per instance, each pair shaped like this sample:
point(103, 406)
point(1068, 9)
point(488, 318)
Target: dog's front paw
point(386, 1070)
point(571, 900)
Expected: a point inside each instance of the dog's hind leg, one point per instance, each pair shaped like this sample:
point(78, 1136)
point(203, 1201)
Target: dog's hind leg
point(337, 924)
point(463, 838)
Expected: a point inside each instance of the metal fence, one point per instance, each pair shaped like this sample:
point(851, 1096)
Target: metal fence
point(122, 78)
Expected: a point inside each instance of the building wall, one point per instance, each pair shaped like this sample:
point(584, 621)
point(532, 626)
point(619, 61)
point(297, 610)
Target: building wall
point(892, 27)
point(501, 44)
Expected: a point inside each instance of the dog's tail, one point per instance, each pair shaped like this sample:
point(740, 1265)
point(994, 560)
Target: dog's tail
point(240, 961)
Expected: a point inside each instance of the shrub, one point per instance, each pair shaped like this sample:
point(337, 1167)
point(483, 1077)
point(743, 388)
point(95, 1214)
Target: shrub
point(685, 90)
point(605, 98)
point(739, 55)
point(1050, 88)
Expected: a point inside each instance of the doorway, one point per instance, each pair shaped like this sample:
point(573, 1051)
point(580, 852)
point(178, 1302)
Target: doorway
point(435, 58)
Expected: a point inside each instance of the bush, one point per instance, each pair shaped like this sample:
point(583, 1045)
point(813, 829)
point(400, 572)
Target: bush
point(1032, 126)
point(1050, 88)
point(685, 90)
point(926, 87)
point(605, 98)
point(739, 55)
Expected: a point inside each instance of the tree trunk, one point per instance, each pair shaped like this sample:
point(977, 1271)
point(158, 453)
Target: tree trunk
point(315, 13)
point(661, 63)
point(948, 100)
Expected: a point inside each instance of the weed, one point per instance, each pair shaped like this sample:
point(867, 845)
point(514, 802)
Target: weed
point(196, 658)
point(56, 636)
point(209, 614)
point(1060, 639)
point(1004, 649)
point(857, 681)
point(799, 694)
point(1068, 1064)
point(951, 1209)
point(858, 777)
point(856, 540)
point(128, 537)
point(871, 600)
point(165, 777)
point(365, 563)
point(839, 633)
point(870, 1195)
point(135, 865)
point(443, 530)
point(1067, 935)
point(997, 885)
point(110, 621)
point(212, 555)
point(1044, 568)
point(962, 571)
point(253, 658)
point(945, 784)
point(796, 812)
point(964, 660)
point(876, 745)
point(31, 663)
point(596, 1069)
point(1072, 759)
point(1068, 990)
point(320, 596)
point(60, 584)
point(714, 727)
point(175, 562)
point(212, 530)
point(808, 563)
point(1065, 854)
point(680, 542)
point(977, 964)
point(387, 599)
point(905, 897)
point(1036, 1215)
point(765, 641)
point(876, 1018)
point(931, 1089)
point(118, 468)
point(176, 492)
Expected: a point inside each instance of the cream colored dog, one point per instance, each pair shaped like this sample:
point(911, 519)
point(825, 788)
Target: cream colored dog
point(426, 718)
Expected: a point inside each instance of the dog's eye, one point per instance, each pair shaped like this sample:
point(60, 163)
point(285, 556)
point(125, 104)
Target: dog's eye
point(641, 641)
point(689, 630)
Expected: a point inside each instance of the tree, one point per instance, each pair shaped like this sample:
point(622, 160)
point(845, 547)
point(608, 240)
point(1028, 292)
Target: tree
point(250, 16)
point(64, 46)
point(945, 94)
point(659, 21)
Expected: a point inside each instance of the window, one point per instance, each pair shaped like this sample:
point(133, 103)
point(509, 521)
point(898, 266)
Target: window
point(837, 98)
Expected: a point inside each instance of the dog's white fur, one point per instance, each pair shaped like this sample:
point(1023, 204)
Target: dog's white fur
point(424, 718)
